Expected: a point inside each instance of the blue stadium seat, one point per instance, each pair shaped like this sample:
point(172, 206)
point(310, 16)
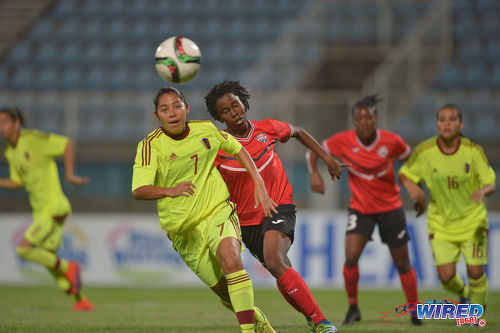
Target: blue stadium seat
point(466, 25)
point(65, 8)
point(490, 24)
point(20, 54)
point(47, 77)
point(495, 77)
point(46, 53)
point(493, 50)
point(450, 77)
point(471, 49)
point(22, 78)
point(68, 29)
point(42, 29)
point(476, 76)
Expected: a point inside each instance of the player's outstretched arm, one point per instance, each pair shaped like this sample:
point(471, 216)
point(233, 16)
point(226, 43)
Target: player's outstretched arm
point(415, 192)
point(478, 195)
point(316, 180)
point(10, 184)
point(151, 192)
point(69, 167)
point(334, 167)
point(260, 194)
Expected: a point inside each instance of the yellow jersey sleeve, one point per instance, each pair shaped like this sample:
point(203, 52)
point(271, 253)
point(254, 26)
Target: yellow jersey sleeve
point(13, 173)
point(485, 172)
point(145, 166)
point(50, 144)
point(411, 168)
point(227, 142)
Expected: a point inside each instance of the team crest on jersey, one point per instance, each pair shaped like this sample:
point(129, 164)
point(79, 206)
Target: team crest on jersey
point(27, 155)
point(467, 167)
point(206, 143)
point(355, 149)
point(262, 137)
point(383, 151)
point(172, 157)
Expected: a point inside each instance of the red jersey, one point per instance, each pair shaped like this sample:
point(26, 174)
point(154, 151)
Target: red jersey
point(260, 145)
point(371, 174)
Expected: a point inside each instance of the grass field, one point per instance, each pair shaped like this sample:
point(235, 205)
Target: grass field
point(40, 309)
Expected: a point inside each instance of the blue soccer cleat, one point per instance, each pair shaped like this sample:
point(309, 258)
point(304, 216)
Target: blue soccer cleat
point(325, 326)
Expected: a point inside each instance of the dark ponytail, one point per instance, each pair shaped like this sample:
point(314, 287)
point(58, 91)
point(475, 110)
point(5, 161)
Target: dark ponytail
point(369, 101)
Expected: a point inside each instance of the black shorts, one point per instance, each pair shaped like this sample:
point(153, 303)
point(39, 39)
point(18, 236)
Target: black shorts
point(391, 226)
point(253, 235)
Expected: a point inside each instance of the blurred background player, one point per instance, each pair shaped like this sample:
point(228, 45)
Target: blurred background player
point(458, 177)
point(175, 165)
point(375, 198)
point(267, 237)
point(31, 155)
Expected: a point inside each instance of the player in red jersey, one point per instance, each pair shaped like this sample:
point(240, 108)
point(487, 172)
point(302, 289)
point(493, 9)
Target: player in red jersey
point(267, 238)
point(375, 198)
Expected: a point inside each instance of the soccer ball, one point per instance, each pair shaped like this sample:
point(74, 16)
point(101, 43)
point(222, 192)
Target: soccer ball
point(177, 59)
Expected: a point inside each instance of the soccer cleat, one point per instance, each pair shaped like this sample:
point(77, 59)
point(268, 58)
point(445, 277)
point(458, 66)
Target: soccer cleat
point(83, 305)
point(352, 315)
point(310, 324)
point(325, 326)
point(416, 322)
point(261, 324)
point(73, 276)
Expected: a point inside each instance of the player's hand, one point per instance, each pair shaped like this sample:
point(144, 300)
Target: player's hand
point(185, 189)
point(419, 208)
point(317, 184)
point(335, 168)
point(262, 197)
point(77, 180)
point(477, 196)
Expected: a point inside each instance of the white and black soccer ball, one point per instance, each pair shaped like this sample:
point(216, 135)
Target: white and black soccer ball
point(178, 59)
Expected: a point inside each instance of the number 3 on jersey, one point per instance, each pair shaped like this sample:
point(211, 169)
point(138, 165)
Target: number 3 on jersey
point(352, 221)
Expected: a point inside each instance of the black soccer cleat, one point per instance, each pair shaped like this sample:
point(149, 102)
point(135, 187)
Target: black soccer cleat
point(416, 322)
point(353, 314)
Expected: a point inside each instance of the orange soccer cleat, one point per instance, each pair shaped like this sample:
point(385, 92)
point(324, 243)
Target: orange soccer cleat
point(73, 276)
point(83, 305)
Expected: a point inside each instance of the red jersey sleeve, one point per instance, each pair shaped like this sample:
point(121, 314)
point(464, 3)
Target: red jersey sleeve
point(332, 145)
point(401, 149)
point(282, 130)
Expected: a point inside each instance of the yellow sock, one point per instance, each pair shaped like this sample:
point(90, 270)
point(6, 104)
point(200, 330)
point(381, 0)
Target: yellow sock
point(479, 290)
point(240, 289)
point(61, 280)
point(455, 285)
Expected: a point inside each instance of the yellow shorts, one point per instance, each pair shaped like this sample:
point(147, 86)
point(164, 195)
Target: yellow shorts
point(46, 231)
point(475, 249)
point(198, 246)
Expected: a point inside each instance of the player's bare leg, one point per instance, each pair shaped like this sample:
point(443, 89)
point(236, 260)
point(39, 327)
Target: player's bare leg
point(452, 281)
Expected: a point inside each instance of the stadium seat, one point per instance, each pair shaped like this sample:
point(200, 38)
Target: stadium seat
point(476, 76)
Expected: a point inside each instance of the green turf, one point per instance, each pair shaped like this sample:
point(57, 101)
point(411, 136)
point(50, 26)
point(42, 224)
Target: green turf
point(38, 309)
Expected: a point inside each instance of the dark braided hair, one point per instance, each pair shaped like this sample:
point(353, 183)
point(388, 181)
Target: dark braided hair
point(168, 90)
point(369, 101)
point(14, 113)
point(220, 90)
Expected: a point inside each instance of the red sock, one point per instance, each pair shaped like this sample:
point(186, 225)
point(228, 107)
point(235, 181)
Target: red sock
point(409, 283)
point(288, 298)
point(296, 288)
point(351, 278)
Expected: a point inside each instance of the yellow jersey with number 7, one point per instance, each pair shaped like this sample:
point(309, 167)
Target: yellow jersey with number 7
point(166, 161)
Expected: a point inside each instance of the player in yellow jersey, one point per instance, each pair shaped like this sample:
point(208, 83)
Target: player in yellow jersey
point(458, 176)
point(30, 155)
point(175, 166)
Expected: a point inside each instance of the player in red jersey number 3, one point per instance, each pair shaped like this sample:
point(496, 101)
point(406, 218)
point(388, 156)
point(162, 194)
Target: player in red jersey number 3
point(375, 198)
point(267, 238)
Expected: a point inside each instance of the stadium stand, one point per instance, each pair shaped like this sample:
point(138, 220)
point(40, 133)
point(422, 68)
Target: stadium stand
point(85, 68)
